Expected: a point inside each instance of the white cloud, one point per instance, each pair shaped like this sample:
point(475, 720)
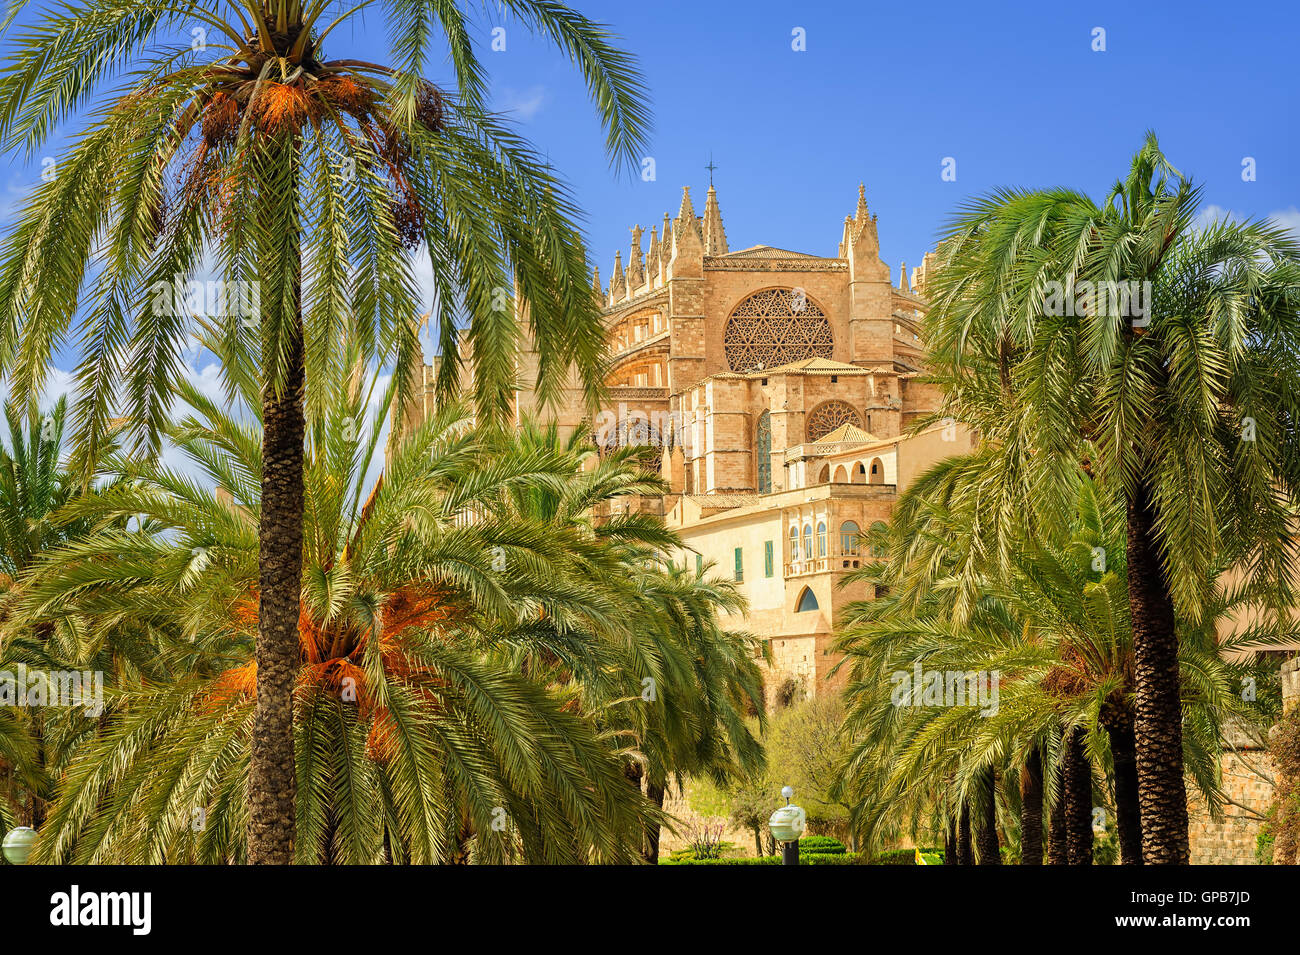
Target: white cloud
point(1289, 219)
point(522, 105)
point(1210, 215)
point(1286, 218)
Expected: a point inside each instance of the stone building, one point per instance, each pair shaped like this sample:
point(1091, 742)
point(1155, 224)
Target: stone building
point(773, 389)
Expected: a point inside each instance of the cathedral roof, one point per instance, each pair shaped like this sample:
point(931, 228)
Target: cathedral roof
point(847, 432)
point(815, 365)
point(767, 252)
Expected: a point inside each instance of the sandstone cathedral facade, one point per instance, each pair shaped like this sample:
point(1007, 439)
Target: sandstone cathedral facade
point(776, 392)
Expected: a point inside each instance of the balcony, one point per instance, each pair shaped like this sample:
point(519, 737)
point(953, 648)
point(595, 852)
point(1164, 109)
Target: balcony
point(835, 563)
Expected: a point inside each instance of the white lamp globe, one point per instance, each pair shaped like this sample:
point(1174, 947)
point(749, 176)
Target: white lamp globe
point(18, 844)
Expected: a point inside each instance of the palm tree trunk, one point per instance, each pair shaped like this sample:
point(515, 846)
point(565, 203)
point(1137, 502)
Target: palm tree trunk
point(1078, 799)
point(965, 855)
point(950, 843)
point(1157, 704)
point(271, 781)
point(1058, 849)
point(1123, 750)
point(460, 851)
point(987, 836)
point(1031, 809)
point(650, 850)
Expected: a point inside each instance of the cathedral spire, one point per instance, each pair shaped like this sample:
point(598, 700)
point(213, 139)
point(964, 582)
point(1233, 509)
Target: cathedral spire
point(595, 282)
point(635, 268)
point(864, 224)
point(652, 257)
point(617, 284)
point(715, 236)
point(686, 218)
point(902, 278)
point(688, 241)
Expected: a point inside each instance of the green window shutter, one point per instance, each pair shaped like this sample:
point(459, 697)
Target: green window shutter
point(740, 570)
point(699, 563)
point(767, 558)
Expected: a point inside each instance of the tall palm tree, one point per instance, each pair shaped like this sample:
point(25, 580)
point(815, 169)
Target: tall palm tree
point(1188, 385)
point(412, 736)
point(688, 682)
point(310, 177)
point(1055, 627)
point(34, 485)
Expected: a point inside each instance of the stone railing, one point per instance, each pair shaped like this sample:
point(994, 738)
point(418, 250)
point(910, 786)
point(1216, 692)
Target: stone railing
point(637, 393)
point(840, 562)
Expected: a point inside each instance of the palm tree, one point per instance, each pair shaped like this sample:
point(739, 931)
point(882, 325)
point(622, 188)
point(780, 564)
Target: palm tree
point(413, 737)
point(707, 681)
point(1184, 375)
point(310, 178)
point(34, 485)
point(1056, 629)
point(688, 683)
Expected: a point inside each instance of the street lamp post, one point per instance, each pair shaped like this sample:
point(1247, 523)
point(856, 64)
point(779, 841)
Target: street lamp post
point(18, 844)
point(787, 825)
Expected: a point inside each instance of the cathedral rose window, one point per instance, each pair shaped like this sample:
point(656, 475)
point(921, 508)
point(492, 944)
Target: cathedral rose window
point(776, 327)
point(828, 416)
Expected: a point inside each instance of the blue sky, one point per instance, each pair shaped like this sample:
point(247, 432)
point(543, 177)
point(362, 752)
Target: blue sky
point(882, 94)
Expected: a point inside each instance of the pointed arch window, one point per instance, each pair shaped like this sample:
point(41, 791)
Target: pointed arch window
point(807, 541)
point(807, 601)
point(821, 538)
point(794, 543)
point(763, 453)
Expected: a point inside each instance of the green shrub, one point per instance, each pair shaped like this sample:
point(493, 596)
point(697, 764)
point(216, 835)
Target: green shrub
point(721, 850)
point(821, 845)
point(895, 857)
point(814, 858)
point(1264, 841)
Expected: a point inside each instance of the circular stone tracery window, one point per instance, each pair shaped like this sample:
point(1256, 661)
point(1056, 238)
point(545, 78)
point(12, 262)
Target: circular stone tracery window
point(828, 416)
point(776, 327)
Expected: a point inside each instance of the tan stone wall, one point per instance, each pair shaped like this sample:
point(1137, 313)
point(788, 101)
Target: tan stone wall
point(677, 804)
point(1232, 841)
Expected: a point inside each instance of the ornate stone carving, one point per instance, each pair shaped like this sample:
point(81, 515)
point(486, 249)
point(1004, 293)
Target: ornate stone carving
point(773, 327)
point(828, 416)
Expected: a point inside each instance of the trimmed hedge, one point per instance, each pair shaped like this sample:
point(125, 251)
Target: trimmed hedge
point(812, 858)
point(809, 846)
point(821, 845)
point(896, 857)
point(816, 850)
